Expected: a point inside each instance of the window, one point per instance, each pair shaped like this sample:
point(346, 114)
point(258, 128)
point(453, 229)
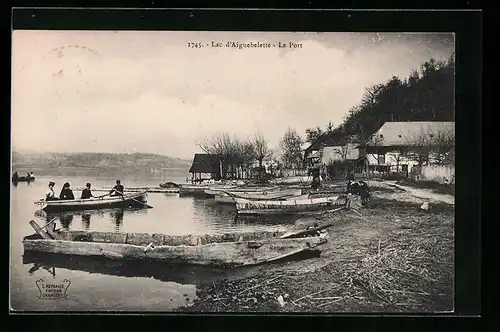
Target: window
point(404, 168)
point(381, 159)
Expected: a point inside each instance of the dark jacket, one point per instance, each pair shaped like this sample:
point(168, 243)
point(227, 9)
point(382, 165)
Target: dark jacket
point(86, 193)
point(67, 194)
point(117, 190)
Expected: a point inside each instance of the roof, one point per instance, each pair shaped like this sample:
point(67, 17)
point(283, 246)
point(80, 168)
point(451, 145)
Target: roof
point(204, 163)
point(401, 133)
point(333, 153)
point(327, 139)
point(315, 154)
point(305, 146)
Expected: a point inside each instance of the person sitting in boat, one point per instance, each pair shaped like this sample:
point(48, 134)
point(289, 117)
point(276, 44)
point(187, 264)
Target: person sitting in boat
point(51, 195)
point(66, 192)
point(117, 190)
point(15, 177)
point(87, 193)
point(32, 175)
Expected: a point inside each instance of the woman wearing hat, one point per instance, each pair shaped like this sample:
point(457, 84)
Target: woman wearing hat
point(66, 192)
point(51, 195)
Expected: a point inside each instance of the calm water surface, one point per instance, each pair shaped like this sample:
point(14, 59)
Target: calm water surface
point(101, 285)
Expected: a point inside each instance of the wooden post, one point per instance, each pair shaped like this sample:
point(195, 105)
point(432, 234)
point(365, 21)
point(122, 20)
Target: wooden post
point(40, 231)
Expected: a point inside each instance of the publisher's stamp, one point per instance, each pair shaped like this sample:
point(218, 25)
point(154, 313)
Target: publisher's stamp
point(53, 290)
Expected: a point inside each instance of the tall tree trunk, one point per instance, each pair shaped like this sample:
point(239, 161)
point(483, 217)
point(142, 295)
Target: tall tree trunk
point(260, 169)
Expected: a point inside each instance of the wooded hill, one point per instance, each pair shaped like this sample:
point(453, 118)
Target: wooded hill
point(428, 94)
point(97, 160)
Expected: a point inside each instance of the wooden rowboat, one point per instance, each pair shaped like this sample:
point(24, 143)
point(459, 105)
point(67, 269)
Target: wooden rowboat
point(263, 196)
point(23, 179)
point(94, 203)
point(198, 190)
point(140, 189)
point(221, 197)
point(293, 206)
point(231, 249)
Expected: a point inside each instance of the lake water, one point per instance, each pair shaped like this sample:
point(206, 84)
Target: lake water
point(96, 285)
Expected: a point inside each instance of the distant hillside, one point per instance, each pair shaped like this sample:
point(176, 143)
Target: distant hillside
point(98, 161)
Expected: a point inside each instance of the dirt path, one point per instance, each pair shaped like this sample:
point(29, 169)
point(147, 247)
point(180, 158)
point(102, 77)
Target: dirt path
point(410, 194)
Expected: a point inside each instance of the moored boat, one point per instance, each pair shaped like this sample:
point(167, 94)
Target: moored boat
point(271, 195)
point(293, 206)
point(23, 179)
point(230, 249)
point(94, 203)
point(292, 180)
point(198, 190)
point(140, 189)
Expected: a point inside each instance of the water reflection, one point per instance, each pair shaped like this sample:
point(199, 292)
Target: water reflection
point(117, 217)
point(65, 220)
point(86, 221)
point(179, 273)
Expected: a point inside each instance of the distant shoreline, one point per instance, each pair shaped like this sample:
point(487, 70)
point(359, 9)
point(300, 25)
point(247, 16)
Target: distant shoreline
point(98, 171)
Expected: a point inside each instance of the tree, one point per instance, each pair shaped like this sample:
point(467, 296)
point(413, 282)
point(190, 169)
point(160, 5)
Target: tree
point(313, 134)
point(261, 150)
point(222, 147)
point(291, 153)
point(428, 93)
point(442, 145)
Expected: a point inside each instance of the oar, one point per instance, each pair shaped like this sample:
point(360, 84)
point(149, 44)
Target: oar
point(146, 205)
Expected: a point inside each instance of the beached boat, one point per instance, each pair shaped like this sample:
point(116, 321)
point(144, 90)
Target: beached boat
point(169, 185)
point(231, 249)
point(271, 195)
point(198, 190)
point(294, 206)
point(292, 179)
point(94, 203)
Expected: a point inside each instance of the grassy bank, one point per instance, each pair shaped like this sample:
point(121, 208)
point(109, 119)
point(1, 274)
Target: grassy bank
point(390, 257)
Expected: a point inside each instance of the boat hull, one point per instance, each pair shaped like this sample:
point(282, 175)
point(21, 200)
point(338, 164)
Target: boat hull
point(199, 191)
point(177, 249)
point(245, 207)
point(263, 196)
point(23, 179)
point(93, 203)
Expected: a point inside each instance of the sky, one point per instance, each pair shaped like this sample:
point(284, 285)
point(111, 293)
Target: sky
point(147, 91)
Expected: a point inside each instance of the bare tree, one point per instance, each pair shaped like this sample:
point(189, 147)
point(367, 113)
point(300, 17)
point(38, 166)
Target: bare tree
point(220, 146)
point(419, 146)
point(261, 150)
point(443, 145)
point(290, 146)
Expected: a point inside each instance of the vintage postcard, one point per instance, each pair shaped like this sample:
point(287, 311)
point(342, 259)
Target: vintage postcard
point(199, 171)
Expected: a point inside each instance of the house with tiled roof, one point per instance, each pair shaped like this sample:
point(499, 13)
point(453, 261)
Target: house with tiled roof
point(389, 148)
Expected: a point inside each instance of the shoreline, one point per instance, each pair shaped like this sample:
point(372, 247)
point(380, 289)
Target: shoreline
point(389, 257)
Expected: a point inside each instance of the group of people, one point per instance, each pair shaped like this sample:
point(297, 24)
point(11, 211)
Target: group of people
point(67, 192)
point(360, 188)
point(29, 175)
